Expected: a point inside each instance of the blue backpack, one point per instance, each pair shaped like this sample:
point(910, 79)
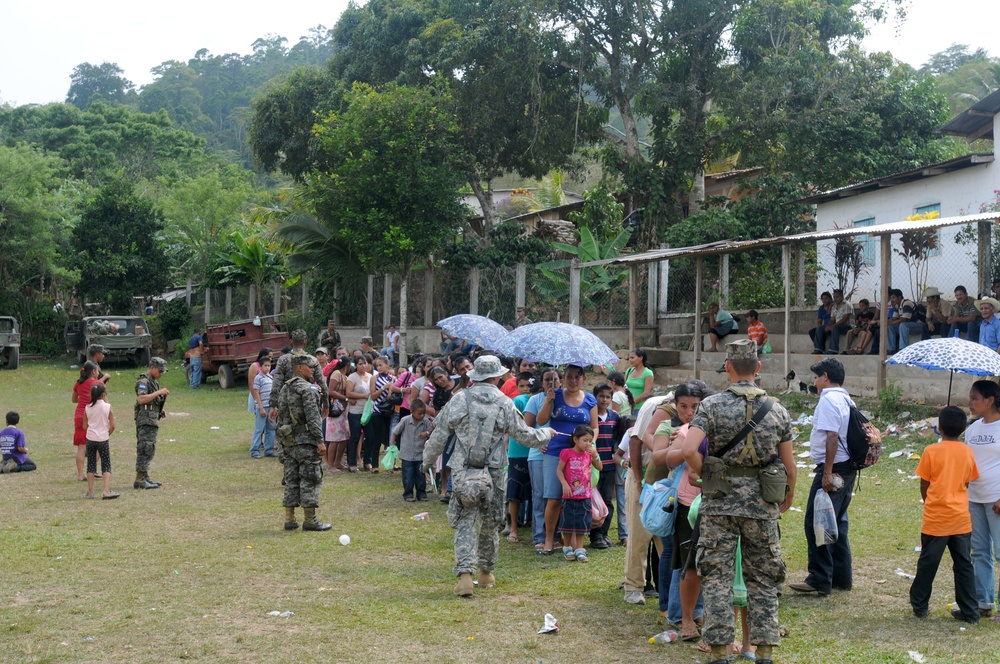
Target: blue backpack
point(655, 499)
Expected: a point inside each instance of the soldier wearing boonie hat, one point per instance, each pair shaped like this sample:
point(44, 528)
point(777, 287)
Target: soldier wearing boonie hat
point(733, 506)
point(149, 401)
point(93, 350)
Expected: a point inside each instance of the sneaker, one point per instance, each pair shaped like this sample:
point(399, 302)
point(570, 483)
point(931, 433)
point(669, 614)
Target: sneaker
point(409, 499)
point(422, 499)
point(651, 592)
point(599, 543)
point(634, 597)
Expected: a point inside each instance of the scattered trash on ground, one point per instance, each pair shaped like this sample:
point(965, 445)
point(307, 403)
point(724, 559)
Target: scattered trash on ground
point(905, 575)
point(345, 539)
point(423, 516)
point(88, 638)
point(917, 549)
point(551, 626)
point(794, 509)
point(803, 455)
point(668, 636)
point(914, 457)
point(905, 415)
point(281, 614)
point(892, 428)
point(897, 453)
point(917, 657)
point(214, 428)
point(805, 420)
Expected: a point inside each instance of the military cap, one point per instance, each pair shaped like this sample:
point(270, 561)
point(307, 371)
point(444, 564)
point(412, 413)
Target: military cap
point(487, 366)
point(306, 359)
point(321, 349)
point(158, 363)
point(93, 349)
point(744, 349)
point(298, 335)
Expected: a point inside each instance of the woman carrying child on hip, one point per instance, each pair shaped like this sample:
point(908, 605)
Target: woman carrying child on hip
point(99, 422)
point(574, 474)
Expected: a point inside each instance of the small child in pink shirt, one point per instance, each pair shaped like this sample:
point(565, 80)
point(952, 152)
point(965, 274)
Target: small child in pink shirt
point(574, 475)
point(99, 422)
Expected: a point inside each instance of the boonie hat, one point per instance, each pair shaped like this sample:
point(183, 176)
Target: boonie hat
point(744, 349)
point(486, 366)
point(305, 358)
point(96, 348)
point(321, 349)
point(158, 363)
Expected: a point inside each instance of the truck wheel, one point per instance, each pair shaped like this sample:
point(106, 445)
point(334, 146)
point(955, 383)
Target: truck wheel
point(13, 357)
point(226, 380)
point(81, 358)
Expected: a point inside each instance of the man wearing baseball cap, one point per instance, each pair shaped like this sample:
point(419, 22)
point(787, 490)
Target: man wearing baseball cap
point(149, 400)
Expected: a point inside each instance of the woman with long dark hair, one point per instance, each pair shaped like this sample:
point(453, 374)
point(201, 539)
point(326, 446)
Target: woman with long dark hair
point(81, 397)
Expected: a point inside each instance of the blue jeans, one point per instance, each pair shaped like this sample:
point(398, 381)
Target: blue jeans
point(674, 612)
point(971, 329)
point(906, 330)
point(985, 549)
point(666, 578)
point(195, 372)
point(830, 566)
point(537, 501)
point(263, 431)
point(414, 479)
point(620, 503)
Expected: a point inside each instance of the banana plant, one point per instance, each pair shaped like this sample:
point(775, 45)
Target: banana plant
point(594, 281)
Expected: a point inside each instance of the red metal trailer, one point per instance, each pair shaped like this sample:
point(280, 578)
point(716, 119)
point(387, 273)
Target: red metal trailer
point(233, 346)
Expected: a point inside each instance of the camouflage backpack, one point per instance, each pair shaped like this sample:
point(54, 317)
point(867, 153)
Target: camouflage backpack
point(473, 486)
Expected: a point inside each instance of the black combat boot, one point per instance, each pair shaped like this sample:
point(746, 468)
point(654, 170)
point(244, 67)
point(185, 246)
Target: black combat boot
point(310, 522)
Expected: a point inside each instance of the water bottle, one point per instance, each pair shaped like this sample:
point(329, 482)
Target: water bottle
point(420, 517)
point(668, 636)
point(669, 507)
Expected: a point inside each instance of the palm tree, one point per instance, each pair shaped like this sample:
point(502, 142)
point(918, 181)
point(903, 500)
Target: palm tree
point(249, 260)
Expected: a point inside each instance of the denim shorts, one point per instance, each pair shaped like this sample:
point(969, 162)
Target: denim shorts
point(550, 477)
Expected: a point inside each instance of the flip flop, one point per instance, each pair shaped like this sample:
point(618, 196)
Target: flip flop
point(544, 552)
point(513, 538)
point(691, 635)
point(704, 647)
point(110, 496)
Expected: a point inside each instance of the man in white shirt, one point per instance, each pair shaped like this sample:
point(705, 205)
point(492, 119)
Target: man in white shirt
point(830, 565)
point(840, 320)
point(391, 349)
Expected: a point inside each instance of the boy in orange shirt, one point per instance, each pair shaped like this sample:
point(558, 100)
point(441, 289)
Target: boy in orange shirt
point(756, 330)
point(945, 470)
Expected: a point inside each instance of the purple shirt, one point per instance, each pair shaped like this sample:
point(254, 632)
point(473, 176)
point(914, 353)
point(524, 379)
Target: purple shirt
point(12, 438)
point(564, 418)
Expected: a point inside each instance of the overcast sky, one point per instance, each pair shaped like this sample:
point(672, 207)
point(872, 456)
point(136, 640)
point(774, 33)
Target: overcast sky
point(41, 42)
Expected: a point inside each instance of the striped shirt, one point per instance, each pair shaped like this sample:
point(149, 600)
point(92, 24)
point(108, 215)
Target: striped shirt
point(262, 383)
point(605, 442)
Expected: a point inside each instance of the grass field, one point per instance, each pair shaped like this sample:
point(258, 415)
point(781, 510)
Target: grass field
point(191, 570)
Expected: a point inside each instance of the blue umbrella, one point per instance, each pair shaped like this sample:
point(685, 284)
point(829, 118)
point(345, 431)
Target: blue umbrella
point(555, 344)
point(950, 354)
point(477, 330)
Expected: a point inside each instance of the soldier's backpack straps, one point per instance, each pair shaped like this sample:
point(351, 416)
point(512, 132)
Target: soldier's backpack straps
point(758, 417)
point(482, 433)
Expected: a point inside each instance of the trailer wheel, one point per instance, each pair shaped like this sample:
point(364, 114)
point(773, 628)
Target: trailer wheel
point(13, 357)
point(142, 358)
point(226, 380)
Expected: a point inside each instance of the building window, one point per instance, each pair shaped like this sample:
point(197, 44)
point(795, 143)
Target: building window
point(926, 209)
point(868, 243)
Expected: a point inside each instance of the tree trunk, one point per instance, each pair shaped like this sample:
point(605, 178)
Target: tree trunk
point(633, 150)
point(485, 198)
point(403, 316)
point(697, 194)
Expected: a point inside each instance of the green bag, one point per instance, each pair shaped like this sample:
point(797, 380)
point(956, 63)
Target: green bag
point(389, 460)
point(366, 414)
point(766, 350)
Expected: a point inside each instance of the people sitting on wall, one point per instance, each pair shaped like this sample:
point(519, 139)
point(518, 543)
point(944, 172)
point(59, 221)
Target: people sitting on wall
point(818, 333)
point(757, 332)
point(939, 312)
point(906, 319)
point(989, 329)
point(964, 315)
point(864, 331)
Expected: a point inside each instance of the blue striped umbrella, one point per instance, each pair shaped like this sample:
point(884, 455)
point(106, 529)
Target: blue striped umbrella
point(556, 344)
point(478, 330)
point(950, 354)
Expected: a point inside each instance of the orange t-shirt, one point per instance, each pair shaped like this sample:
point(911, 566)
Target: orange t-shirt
point(758, 333)
point(949, 466)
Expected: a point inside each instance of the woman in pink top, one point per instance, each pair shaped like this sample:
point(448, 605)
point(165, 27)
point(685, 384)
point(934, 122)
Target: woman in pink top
point(99, 423)
point(686, 399)
point(81, 397)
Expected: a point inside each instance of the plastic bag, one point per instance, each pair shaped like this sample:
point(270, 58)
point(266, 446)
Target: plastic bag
point(598, 509)
point(693, 510)
point(824, 519)
point(655, 501)
point(366, 414)
point(766, 350)
point(389, 459)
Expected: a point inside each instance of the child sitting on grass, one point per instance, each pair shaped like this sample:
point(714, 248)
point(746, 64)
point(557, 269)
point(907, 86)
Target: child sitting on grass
point(99, 423)
point(410, 435)
point(945, 470)
point(13, 447)
point(574, 475)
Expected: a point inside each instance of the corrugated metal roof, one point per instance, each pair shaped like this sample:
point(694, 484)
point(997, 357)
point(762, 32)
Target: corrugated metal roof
point(977, 121)
point(735, 246)
point(902, 177)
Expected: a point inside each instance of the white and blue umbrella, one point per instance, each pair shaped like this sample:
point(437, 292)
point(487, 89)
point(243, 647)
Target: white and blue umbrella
point(556, 344)
point(478, 330)
point(950, 354)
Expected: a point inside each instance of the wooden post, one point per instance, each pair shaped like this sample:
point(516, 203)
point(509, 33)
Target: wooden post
point(522, 274)
point(474, 290)
point(633, 304)
point(187, 291)
point(208, 305)
point(386, 302)
point(574, 292)
point(276, 298)
point(652, 298)
point(252, 301)
point(229, 302)
point(786, 266)
point(883, 314)
point(664, 283)
point(369, 313)
point(724, 282)
point(800, 277)
point(403, 315)
point(305, 298)
point(985, 259)
point(429, 296)
point(699, 265)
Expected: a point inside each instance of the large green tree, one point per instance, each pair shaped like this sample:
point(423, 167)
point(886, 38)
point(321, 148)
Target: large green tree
point(105, 82)
point(117, 251)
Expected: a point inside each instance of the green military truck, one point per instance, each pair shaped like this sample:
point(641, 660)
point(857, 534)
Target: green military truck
point(10, 342)
point(124, 337)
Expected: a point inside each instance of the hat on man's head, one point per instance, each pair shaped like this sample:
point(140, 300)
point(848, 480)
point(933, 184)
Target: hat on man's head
point(990, 301)
point(299, 336)
point(321, 349)
point(331, 322)
point(305, 358)
point(744, 349)
point(158, 363)
point(487, 366)
point(932, 292)
point(93, 349)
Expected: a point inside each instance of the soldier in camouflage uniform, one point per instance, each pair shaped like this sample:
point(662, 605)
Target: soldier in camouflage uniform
point(149, 400)
point(282, 372)
point(742, 512)
point(298, 405)
point(481, 417)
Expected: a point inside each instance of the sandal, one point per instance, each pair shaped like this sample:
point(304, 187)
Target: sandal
point(704, 647)
point(581, 556)
point(544, 552)
point(690, 634)
point(568, 553)
point(513, 538)
point(352, 469)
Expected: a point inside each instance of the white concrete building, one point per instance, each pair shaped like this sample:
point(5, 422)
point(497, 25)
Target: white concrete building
point(952, 188)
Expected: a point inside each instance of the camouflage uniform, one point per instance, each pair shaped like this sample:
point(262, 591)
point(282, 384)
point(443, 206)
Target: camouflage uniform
point(465, 415)
point(741, 513)
point(298, 405)
point(147, 420)
point(281, 374)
